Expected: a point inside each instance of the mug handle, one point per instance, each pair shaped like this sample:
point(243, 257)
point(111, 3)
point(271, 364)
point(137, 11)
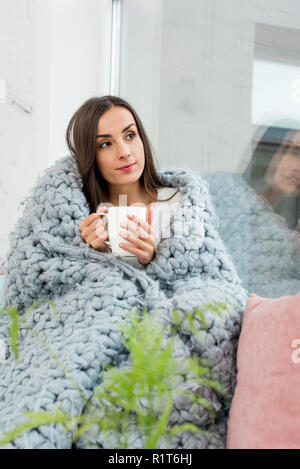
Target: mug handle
point(105, 242)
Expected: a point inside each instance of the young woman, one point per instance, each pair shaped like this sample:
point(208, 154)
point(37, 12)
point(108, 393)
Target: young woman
point(274, 172)
point(57, 253)
point(114, 156)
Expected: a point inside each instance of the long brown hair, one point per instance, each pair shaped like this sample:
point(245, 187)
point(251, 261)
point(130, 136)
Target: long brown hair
point(81, 140)
point(275, 140)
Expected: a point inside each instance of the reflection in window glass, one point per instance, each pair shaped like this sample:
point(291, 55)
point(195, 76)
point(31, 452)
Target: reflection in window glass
point(218, 87)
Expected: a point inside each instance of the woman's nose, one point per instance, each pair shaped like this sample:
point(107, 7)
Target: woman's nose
point(123, 150)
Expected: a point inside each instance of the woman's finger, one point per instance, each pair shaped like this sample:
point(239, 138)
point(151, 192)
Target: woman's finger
point(88, 221)
point(97, 242)
point(100, 227)
point(143, 252)
point(141, 223)
point(101, 209)
point(137, 242)
point(87, 231)
point(134, 229)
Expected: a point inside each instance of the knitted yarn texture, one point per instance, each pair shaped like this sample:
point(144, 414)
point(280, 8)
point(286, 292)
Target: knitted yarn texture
point(265, 251)
point(94, 291)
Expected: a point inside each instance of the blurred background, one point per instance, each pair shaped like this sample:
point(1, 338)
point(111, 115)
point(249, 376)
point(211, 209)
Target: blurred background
point(215, 82)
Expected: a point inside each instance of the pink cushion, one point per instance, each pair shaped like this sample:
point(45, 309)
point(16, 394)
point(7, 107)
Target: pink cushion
point(265, 409)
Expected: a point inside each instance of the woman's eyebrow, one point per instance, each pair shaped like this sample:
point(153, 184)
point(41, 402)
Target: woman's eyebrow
point(108, 135)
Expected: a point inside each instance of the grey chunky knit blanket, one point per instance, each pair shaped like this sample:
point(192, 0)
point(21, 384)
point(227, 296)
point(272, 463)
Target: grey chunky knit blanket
point(94, 291)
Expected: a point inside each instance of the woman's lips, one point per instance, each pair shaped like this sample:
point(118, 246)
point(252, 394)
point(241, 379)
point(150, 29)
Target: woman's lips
point(128, 168)
point(295, 180)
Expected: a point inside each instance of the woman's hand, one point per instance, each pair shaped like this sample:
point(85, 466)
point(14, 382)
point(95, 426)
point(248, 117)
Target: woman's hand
point(142, 246)
point(94, 232)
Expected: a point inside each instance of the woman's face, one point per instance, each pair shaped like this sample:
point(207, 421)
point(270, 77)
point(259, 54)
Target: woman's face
point(118, 145)
point(284, 170)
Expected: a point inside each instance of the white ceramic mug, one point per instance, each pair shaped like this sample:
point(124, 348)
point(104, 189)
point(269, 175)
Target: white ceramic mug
point(115, 216)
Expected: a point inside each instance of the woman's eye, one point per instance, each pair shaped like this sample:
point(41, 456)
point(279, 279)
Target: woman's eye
point(104, 143)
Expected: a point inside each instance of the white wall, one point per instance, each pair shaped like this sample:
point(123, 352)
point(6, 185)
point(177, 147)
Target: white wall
point(78, 71)
point(54, 54)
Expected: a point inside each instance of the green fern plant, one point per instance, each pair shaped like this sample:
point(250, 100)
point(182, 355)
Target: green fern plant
point(139, 395)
